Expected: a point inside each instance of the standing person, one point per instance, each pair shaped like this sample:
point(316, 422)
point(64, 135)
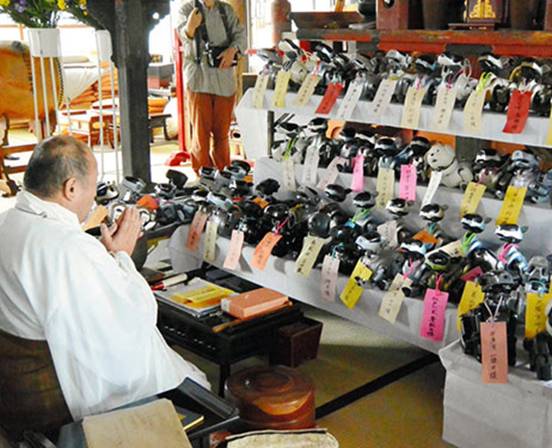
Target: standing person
point(210, 89)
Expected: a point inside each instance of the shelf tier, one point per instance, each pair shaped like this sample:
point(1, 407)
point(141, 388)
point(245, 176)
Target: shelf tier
point(505, 43)
point(280, 275)
point(534, 134)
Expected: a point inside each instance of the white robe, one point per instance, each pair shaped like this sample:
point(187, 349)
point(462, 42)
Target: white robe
point(97, 313)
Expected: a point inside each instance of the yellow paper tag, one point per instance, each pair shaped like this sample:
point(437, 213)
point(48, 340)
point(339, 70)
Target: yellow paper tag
point(472, 297)
point(352, 292)
point(306, 91)
point(444, 105)
point(281, 88)
point(209, 250)
point(549, 134)
point(535, 314)
point(393, 299)
point(385, 186)
point(472, 198)
point(512, 205)
point(412, 107)
point(473, 111)
point(307, 258)
point(260, 89)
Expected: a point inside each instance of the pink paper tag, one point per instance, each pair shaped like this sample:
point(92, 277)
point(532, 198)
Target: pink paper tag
point(494, 353)
point(471, 275)
point(358, 174)
point(232, 260)
point(407, 186)
point(433, 320)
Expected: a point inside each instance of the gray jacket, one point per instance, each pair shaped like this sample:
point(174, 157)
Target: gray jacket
point(200, 78)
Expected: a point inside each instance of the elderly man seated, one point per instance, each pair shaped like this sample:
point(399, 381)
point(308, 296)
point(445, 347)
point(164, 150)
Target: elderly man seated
point(78, 329)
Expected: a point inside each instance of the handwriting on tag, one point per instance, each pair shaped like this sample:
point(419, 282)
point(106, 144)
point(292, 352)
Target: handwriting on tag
point(535, 314)
point(195, 230)
point(310, 168)
point(281, 88)
point(210, 246)
point(357, 184)
point(288, 168)
point(518, 112)
point(263, 250)
point(393, 299)
point(352, 291)
point(494, 353)
point(260, 89)
point(385, 186)
point(472, 197)
point(389, 232)
point(232, 260)
point(549, 133)
point(408, 182)
point(512, 205)
point(330, 98)
point(350, 100)
point(312, 245)
point(412, 107)
point(472, 297)
point(383, 97)
point(331, 173)
point(434, 182)
point(306, 91)
point(473, 111)
point(433, 319)
point(330, 273)
point(444, 105)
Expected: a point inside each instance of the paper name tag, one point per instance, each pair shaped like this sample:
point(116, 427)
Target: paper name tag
point(264, 250)
point(307, 90)
point(494, 353)
point(425, 237)
point(330, 98)
point(281, 88)
point(350, 100)
point(310, 168)
point(472, 197)
point(95, 218)
point(263, 203)
point(408, 182)
point(330, 273)
point(444, 105)
point(260, 89)
point(512, 205)
point(352, 291)
point(433, 320)
point(210, 246)
point(473, 274)
point(383, 97)
point(453, 249)
point(288, 168)
point(433, 186)
point(549, 133)
point(232, 260)
point(385, 186)
point(393, 299)
point(472, 297)
point(473, 111)
point(518, 112)
point(331, 173)
point(412, 107)
point(312, 245)
point(535, 314)
point(195, 230)
point(388, 231)
point(357, 184)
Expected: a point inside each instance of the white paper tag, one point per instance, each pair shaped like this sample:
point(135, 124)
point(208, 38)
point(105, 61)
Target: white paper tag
point(434, 183)
point(209, 249)
point(453, 249)
point(412, 107)
point(310, 168)
point(385, 187)
point(388, 231)
point(331, 173)
point(383, 97)
point(259, 93)
point(281, 88)
point(473, 111)
point(330, 272)
point(350, 101)
point(444, 105)
point(393, 299)
point(289, 174)
point(306, 91)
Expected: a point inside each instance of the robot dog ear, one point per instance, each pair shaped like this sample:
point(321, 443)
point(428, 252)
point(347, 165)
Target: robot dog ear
point(524, 229)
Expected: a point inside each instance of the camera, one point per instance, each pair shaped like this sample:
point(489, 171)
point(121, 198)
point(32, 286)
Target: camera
point(213, 52)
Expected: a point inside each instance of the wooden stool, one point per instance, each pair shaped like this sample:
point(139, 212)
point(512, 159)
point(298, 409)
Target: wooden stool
point(274, 397)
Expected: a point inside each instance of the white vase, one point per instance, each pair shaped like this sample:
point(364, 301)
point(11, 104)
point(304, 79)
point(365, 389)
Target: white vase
point(45, 42)
point(103, 45)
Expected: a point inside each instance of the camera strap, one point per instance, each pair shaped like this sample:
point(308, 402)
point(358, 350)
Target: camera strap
point(224, 16)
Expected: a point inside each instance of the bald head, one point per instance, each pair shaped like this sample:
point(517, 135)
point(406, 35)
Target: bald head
point(54, 161)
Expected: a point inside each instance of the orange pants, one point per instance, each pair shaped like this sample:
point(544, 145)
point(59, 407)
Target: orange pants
point(210, 115)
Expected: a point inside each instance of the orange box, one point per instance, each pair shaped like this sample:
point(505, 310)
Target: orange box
point(253, 303)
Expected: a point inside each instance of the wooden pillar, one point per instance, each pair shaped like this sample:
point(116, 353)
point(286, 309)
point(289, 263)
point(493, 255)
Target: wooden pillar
point(281, 20)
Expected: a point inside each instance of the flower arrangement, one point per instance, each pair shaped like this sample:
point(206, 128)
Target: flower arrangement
point(79, 10)
point(32, 13)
